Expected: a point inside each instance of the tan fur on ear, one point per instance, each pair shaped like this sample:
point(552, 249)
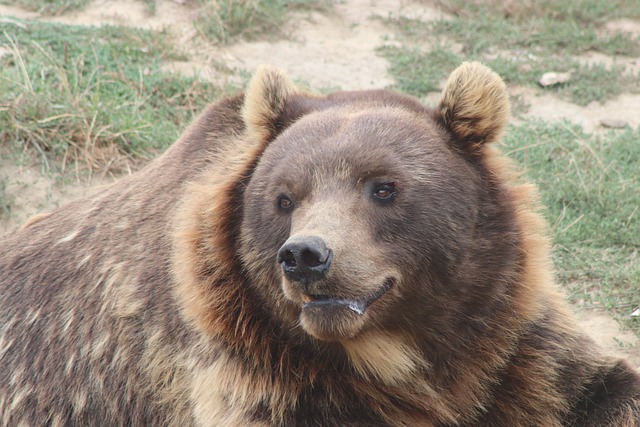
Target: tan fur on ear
point(265, 99)
point(475, 104)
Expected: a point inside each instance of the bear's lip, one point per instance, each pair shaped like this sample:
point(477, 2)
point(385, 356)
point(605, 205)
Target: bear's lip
point(358, 306)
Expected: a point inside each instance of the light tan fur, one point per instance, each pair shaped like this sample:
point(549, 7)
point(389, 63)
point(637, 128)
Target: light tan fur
point(475, 103)
point(265, 99)
point(386, 358)
point(35, 219)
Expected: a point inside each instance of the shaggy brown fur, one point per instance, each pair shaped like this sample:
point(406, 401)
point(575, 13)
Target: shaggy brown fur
point(169, 299)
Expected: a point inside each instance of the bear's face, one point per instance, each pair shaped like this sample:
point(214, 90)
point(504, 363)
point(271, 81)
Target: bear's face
point(359, 214)
point(351, 213)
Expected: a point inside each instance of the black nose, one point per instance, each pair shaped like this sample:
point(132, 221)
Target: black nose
point(305, 258)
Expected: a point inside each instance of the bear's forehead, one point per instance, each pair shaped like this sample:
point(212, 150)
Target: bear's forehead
point(350, 145)
point(382, 123)
point(351, 131)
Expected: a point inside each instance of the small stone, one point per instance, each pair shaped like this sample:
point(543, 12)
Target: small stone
point(613, 123)
point(551, 78)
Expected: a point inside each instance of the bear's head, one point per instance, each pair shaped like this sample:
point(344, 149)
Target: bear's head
point(355, 217)
point(365, 205)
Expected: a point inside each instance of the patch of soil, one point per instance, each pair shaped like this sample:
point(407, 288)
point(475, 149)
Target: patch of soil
point(607, 333)
point(30, 191)
point(331, 51)
point(334, 51)
point(550, 108)
point(169, 15)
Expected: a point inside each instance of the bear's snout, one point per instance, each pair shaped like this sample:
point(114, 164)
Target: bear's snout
point(305, 259)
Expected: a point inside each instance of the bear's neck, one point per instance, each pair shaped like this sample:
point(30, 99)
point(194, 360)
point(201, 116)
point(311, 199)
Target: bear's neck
point(385, 378)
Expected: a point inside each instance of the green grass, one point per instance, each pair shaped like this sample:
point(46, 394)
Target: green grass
point(521, 44)
point(224, 21)
point(92, 93)
point(60, 7)
point(151, 6)
point(584, 12)
point(481, 31)
point(589, 187)
point(5, 203)
point(48, 7)
point(415, 71)
point(221, 21)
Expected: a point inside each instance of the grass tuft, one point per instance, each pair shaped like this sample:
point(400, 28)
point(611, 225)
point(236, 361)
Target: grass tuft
point(417, 72)
point(224, 21)
point(521, 41)
point(588, 185)
point(584, 12)
point(48, 7)
point(5, 203)
point(94, 95)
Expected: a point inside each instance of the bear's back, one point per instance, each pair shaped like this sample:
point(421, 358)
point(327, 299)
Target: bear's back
point(87, 313)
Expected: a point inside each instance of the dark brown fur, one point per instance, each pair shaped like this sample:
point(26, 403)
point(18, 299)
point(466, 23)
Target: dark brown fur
point(160, 301)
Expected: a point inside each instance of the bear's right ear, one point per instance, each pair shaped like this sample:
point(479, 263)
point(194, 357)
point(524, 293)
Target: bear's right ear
point(474, 106)
point(265, 101)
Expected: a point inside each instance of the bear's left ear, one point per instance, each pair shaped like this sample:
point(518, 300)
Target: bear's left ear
point(265, 101)
point(474, 106)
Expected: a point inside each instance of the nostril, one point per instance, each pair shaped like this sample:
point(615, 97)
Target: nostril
point(311, 258)
point(291, 263)
point(288, 258)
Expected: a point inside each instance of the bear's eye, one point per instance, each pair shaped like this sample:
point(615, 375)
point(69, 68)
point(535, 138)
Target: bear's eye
point(385, 192)
point(285, 203)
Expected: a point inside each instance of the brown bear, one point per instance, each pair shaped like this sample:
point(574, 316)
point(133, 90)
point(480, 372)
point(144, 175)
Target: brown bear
point(356, 259)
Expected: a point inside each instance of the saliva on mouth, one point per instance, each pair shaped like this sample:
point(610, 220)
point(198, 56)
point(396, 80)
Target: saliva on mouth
point(357, 307)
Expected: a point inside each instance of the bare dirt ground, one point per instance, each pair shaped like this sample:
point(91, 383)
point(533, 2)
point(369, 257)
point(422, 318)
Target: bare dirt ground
point(334, 50)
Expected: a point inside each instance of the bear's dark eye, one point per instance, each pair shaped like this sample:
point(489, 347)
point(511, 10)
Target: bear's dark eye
point(285, 203)
point(385, 192)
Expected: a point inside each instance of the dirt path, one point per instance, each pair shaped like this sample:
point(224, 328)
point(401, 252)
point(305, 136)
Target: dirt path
point(331, 51)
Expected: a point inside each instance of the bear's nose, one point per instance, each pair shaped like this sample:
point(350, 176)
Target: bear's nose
point(305, 258)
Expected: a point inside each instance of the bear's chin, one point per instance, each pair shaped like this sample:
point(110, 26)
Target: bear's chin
point(331, 320)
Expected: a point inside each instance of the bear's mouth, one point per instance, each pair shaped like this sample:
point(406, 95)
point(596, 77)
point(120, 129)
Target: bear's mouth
point(358, 306)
